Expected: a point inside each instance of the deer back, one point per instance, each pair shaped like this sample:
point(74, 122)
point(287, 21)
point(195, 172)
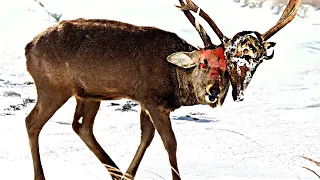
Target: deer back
point(107, 60)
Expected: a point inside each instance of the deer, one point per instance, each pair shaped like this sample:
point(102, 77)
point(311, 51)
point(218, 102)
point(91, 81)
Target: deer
point(95, 59)
point(246, 50)
point(128, 62)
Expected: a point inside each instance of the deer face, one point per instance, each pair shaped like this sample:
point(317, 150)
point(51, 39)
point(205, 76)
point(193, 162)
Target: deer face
point(244, 53)
point(209, 78)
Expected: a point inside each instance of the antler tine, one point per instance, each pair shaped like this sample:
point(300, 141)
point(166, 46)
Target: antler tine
point(287, 11)
point(203, 34)
point(193, 7)
point(287, 16)
point(309, 159)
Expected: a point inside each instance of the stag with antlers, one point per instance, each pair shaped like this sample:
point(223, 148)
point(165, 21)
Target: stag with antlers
point(95, 60)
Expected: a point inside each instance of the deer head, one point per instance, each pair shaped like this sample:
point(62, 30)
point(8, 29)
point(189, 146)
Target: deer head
point(246, 50)
point(208, 73)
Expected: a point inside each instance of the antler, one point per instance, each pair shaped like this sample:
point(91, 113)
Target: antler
point(287, 16)
point(203, 34)
point(190, 6)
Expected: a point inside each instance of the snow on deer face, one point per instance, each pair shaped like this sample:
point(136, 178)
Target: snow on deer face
point(209, 77)
point(244, 53)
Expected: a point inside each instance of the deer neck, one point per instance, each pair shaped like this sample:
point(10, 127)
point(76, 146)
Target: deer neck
point(185, 90)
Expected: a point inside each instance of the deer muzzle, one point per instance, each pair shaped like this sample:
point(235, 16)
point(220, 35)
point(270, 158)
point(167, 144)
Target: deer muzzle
point(212, 94)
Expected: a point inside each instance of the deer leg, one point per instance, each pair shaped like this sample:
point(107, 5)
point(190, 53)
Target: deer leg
point(161, 121)
point(46, 106)
point(87, 109)
point(147, 134)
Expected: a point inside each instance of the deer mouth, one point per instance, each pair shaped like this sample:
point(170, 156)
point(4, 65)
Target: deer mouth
point(212, 96)
point(211, 99)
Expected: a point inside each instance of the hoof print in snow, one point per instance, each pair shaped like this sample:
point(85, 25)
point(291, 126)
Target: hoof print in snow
point(115, 104)
point(128, 107)
point(18, 107)
point(14, 107)
point(9, 83)
point(28, 101)
point(11, 94)
point(28, 83)
point(6, 114)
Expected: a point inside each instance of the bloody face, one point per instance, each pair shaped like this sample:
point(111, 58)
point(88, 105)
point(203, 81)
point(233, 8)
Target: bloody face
point(211, 81)
point(209, 76)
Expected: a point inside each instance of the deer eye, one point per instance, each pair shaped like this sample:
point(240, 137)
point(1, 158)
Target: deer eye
point(251, 47)
point(204, 64)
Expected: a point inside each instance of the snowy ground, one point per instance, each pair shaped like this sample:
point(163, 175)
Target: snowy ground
point(262, 137)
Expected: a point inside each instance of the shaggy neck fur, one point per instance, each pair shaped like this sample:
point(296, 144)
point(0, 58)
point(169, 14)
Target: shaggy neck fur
point(186, 92)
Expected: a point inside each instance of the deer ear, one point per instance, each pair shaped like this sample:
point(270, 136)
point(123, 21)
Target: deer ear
point(269, 47)
point(183, 59)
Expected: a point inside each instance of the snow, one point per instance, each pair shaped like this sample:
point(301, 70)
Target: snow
point(262, 137)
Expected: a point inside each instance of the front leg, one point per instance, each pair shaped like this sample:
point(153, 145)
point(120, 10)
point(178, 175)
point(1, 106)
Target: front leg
point(160, 118)
point(147, 134)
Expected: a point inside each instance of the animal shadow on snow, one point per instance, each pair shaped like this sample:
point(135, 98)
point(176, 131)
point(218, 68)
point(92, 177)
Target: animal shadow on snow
point(194, 118)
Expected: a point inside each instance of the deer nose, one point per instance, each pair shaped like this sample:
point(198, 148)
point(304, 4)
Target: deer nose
point(213, 91)
point(212, 94)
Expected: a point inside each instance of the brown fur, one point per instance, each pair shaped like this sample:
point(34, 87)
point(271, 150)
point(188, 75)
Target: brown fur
point(94, 45)
point(96, 60)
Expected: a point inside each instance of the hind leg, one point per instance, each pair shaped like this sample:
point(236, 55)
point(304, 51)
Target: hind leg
point(48, 102)
point(87, 109)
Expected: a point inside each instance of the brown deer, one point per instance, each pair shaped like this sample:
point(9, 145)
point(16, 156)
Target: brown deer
point(128, 62)
point(247, 49)
point(95, 60)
